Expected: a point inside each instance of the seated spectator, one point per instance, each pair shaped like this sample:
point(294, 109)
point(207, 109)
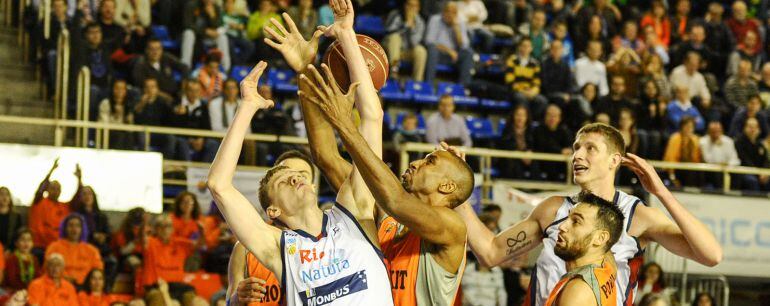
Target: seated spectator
point(631, 136)
point(653, 46)
point(719, 38)
point(21, 266)
point(407, 29)
point(594, 31)
point(117, 109)
point(160, 66)
point(153, 109)
point(94, 292)
point(474, 13)
point(629, 38)
point(684, 147)
point(658, 19)
point(653, 299)
point(127, 242)
point(703, 298)
point(202, 20)
point(186, 217)
point(97, 225)
point(626, 63)
point(135, 17)
point(741, 23)
point(222, 109)
point(740, 87)
point(517, 136)
point(537, 34)
point(560, 33)
point(447, 41)
point(696, 42)
point(191, 111)
point(687, 75)
point(680, 22)
point(582, 106)
point(10, 219)
point(80, 256)
point(557, 71)
point(47, 213)
point(482, 285)
point(305, 17)
point(210, 76)
point(219, 241)
point(447, 126)
point(552, 137)
point(651, 117)
point(746, 50)
point(602, 118)
point(52, 289)
point(407, 132)
point(681, 107)
point(590, 69)
point(717, 149)
point(615, 101)
point(651, 280)
point(114, 36)
point(753, 109)
point(764, 85)
point(164, 259)
point(91, 52)
point(59, 23)
point(752, 153)
point(234, 21)
point(653, 71)
point(258, 22)
point(523, 76)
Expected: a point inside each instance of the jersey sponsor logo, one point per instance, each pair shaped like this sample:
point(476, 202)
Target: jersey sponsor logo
point(330, 292)
point(398, 278)
point(307, 256)
point(609, 286)
point(334, 267)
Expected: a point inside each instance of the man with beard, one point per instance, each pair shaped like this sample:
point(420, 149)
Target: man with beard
point(584, 242)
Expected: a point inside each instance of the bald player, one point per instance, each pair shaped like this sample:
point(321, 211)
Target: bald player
point(599, 151)
point(584, 243)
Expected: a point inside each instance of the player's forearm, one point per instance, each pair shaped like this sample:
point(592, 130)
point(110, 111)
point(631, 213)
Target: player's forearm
point(481, 239)
point(223, 168)
point(367, 101)
point(235, 271)
point(704, 246)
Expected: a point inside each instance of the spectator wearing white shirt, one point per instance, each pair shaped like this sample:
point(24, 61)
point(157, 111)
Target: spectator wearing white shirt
point(590, 69)
point(687, 74)
point(718, 149)
point(475, 13)
point(222, 112)
point(447, 126)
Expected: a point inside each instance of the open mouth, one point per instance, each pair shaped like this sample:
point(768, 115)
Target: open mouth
point(559, 239)
point(579, 169)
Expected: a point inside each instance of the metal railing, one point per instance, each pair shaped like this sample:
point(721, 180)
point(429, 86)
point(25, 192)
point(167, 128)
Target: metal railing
point(62, 74)
point(83, 100)
point(689, 285)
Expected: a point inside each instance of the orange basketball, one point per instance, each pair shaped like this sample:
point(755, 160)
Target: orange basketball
point(374, 56)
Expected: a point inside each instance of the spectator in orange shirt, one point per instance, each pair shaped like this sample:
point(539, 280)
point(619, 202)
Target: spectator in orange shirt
point(127, 243)
point(52, 289)
point(164, 258)
point(684, 147)
point(658, 19)
point(93, 292)
point(21, 266)
point(219, 241)
point(186, 217)
point(47, 212)
point(80, 256)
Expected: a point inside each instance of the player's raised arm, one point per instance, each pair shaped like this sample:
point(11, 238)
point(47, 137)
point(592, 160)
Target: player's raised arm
point(438, 225)
point(256, 235)
point(299, 53)
point(686, 236)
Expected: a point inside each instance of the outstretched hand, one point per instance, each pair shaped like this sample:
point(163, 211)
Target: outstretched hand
point(297, 51)
point(646, 173)
point(343, 18)
point(250, 85)
point(337, 107)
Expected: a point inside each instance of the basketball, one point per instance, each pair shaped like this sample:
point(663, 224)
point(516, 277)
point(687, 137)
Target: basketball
point(374, 56)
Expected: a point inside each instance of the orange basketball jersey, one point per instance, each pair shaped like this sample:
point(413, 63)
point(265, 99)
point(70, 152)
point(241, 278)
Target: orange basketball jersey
point(401, 250)
point(273, 294)
point(601, 279)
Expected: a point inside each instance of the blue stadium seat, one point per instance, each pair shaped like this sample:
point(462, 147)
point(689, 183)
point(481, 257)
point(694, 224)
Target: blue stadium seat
point(457, 91)
point(239, 72)
point(387, 120)
point(280, 79)
point(161, 32)
point(444, 68)
point(370, 25)
point(501, 127)
point(480, 128)
point(492, 64)
point(392, 92)
point(495, 104)
point(422, 92)
point(420, 122)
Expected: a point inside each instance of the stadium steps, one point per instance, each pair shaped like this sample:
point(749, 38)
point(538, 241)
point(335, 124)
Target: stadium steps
point(21, 94)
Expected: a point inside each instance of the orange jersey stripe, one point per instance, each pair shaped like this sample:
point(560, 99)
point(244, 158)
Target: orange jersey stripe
point(273, 294)
point(605, 288)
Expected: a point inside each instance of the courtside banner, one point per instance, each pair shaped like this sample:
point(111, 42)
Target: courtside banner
point(247, 182)
point(121, 179)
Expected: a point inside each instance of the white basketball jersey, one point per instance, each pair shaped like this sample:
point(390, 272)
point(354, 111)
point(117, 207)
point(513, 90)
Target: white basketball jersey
point(342, 267)
point(628, 255)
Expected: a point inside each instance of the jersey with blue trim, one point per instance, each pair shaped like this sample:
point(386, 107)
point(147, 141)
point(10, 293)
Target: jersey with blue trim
point(341, 267)
point(628, 256)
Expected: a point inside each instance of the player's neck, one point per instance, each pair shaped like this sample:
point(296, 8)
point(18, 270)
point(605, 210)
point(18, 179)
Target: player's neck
point(589, 258)
point(604, 188)
point(309, 220)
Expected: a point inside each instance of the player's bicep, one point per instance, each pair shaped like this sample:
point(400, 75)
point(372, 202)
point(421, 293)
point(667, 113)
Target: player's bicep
point(664, 231)
point(576, 292)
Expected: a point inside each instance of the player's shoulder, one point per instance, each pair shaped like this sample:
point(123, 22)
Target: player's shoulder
point(548, 207)
point(577, 292)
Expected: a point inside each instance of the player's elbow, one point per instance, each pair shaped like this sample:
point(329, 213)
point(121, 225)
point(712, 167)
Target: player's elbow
point(216, 187)
point(713, 258)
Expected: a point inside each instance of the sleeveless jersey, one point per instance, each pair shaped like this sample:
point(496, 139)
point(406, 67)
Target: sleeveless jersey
point(416, 279)
point(601, 279)
point(272, 287)
point(341, 267)
point(628, 255)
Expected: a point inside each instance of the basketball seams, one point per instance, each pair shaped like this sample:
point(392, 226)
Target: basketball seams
point(372, 48)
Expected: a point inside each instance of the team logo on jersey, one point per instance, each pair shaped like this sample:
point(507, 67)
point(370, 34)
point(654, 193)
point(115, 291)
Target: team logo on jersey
point(291, 247)
point(337, 289)
point(307, 256)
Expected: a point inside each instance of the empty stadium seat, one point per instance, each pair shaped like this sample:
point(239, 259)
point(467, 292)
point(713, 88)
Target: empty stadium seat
point(480, 127)
point(492, 65)
point(422, 92)
point(457, 91)
point(161, 32)
point(491, 104)
point(501, 127)
point(420, 122)
point(370, 25)
point(239, 72)
point(281, 80)
point(392, 92)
